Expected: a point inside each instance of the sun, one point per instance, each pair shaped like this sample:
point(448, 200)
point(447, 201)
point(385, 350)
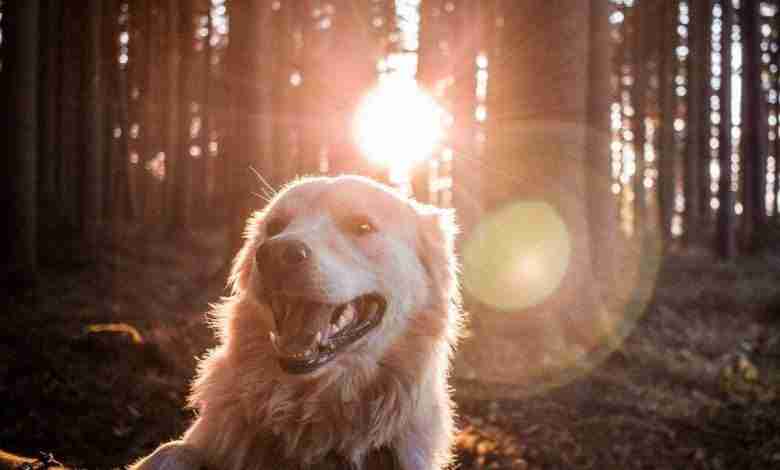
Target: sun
point(397, 125)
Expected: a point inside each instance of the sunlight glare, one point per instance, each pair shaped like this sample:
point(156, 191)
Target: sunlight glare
point(398, 125)
point(522, 249)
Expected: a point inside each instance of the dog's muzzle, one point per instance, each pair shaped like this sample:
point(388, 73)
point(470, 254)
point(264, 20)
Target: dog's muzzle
point(310, 334)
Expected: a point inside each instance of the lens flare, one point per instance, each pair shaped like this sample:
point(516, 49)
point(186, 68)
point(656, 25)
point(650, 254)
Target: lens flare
point(517, 257)
point(398, 125)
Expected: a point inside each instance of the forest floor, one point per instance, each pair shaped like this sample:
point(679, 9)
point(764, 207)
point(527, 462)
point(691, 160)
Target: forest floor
point(695, 385)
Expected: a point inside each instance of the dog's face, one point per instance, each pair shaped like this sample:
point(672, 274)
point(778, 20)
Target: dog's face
point(343, 265)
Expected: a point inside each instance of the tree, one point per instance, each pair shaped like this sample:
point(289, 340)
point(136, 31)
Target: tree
point(542, 132)
point(95, 138)
point(467, 37)
point(451, 36)
point(726, 245)
point(284, 114)
point(174, 151)
point(602, 211)
point(248, 103)
point(640, 58)
point(201, 108)
point(50, 108)
point(755, 128)
point(181, 168)
point(667, 153)
point(152, 114)
point(697, 128)
point(21, 22)
point(71, 136)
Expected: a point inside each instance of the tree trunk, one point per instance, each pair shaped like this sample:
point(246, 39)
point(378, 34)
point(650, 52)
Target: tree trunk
point(283, 112)
point(704, 70)
point(543, 164)
point(201, 97)
point(21, 33)
point(111, 71)
point(755, 131)
point(243, 143)
point(602, 207)
point(307, 96)
point(95, 135)
point(639, 98)
point(774, 84)
point(346, 72)
point(181, 177)
point(499, 79)
point(50, 84)
point(121, 181)
point(174, 152)
point(726, 245)
point(667, 154)
point(430, 68)
point(137, 95)
point(71, 136)
point(152, 116)
point(697, 122)
point(465, 189)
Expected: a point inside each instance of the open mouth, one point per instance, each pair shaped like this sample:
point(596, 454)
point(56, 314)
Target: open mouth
point(310, 334)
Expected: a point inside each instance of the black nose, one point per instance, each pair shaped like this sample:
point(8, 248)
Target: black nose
point(279, 257)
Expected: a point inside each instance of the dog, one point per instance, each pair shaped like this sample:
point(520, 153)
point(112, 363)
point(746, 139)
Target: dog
point(335, 344)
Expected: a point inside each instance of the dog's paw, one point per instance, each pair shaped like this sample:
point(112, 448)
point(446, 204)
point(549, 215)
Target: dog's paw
point(172, 456)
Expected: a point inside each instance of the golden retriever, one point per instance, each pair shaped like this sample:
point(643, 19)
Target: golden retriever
point(335, 344)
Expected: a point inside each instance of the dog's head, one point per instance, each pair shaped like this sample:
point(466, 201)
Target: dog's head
point(344, 268)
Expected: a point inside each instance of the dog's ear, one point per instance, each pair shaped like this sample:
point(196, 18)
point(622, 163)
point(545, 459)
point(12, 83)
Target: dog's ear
point(244, 263)
point(436, 244)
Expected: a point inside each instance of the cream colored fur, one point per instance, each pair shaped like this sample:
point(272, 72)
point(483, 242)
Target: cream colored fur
point(388, 390)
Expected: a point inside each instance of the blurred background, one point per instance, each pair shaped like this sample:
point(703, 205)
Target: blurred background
point(612, 163)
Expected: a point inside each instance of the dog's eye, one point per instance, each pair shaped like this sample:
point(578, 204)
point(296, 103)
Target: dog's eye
point(359, 225)
point(275, 226)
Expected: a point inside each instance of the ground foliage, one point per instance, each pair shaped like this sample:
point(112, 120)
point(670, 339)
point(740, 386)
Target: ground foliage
point(695, 385)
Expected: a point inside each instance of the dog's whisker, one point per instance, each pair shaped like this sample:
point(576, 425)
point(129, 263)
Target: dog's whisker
point(264, 197)
point(264, 181)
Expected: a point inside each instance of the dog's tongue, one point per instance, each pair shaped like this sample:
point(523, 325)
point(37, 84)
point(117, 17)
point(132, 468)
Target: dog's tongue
point(297, 331)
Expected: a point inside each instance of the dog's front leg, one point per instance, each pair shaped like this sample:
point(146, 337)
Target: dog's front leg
point(174, 455)
point(425, 449)
point(426, 443)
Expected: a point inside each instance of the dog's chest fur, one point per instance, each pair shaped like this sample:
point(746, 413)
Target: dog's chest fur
point(346, 419)
point(325, 424)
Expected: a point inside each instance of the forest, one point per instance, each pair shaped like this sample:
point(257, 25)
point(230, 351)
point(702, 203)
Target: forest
point(612, 164)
